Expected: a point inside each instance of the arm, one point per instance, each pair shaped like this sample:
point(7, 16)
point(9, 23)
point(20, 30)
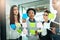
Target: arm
point(53, 30)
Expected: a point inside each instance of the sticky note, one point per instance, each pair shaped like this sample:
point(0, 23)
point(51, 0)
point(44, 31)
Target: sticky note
point(32, 32)
point(39, 30)
point(39, 25)
point(24, 15)
point(19, 31)
point(18, 25)
point(25, 31)
point(51, 16)
point(32, 24)
point(13, 26)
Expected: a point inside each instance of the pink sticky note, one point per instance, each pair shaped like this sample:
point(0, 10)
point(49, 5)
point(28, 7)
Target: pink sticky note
point(25, 31)
point(39, 25)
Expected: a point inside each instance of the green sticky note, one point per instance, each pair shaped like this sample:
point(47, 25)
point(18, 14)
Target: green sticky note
point(51, 16)
point(19, 31)
point(32, 24)
point(32, 32)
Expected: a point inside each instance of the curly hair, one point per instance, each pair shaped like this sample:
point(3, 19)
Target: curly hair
point(32, 10)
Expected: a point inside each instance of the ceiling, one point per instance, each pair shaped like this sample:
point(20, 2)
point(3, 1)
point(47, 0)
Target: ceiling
point(37, 3)
point(27, 2)
point(18, 1)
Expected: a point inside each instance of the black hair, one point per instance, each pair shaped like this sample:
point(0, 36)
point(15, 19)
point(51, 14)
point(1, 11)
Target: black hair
point(32, 10)
point(47, 11)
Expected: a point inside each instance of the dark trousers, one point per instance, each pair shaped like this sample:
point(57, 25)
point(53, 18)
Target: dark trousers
point(47, 37)
point(44, 38)
point(55, 37)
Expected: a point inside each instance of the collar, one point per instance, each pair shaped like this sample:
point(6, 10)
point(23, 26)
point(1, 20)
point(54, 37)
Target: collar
point(44, 21)
point(31, 20)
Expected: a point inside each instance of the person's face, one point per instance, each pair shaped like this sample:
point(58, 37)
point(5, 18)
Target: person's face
point(31, 14)
point(56, 4)
point(15, 10)
point(45, 16)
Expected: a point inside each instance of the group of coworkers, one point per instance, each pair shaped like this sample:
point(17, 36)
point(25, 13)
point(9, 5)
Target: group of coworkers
point(31, 32)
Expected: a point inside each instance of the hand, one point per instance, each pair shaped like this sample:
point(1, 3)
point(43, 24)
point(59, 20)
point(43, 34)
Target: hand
point(53, 30)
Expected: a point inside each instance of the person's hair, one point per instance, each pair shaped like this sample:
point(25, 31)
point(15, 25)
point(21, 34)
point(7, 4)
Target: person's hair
point(12, 21)
point(47, 11)
point(32, 10)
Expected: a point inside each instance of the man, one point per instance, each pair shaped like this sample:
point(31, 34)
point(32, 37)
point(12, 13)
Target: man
point(56, 6)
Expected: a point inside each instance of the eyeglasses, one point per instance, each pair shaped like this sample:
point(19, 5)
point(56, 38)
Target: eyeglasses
point(45, 14)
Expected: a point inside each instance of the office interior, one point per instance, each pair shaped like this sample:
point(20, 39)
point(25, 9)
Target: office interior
point(23, 5)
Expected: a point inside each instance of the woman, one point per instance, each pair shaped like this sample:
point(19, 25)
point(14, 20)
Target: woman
point(31, 24)
point(15, 22)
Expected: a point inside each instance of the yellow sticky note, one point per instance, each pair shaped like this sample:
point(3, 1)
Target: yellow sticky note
point(18, 25)
point(39, 30)
point(51, 16)
point(32, 24)
point(32, 32)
